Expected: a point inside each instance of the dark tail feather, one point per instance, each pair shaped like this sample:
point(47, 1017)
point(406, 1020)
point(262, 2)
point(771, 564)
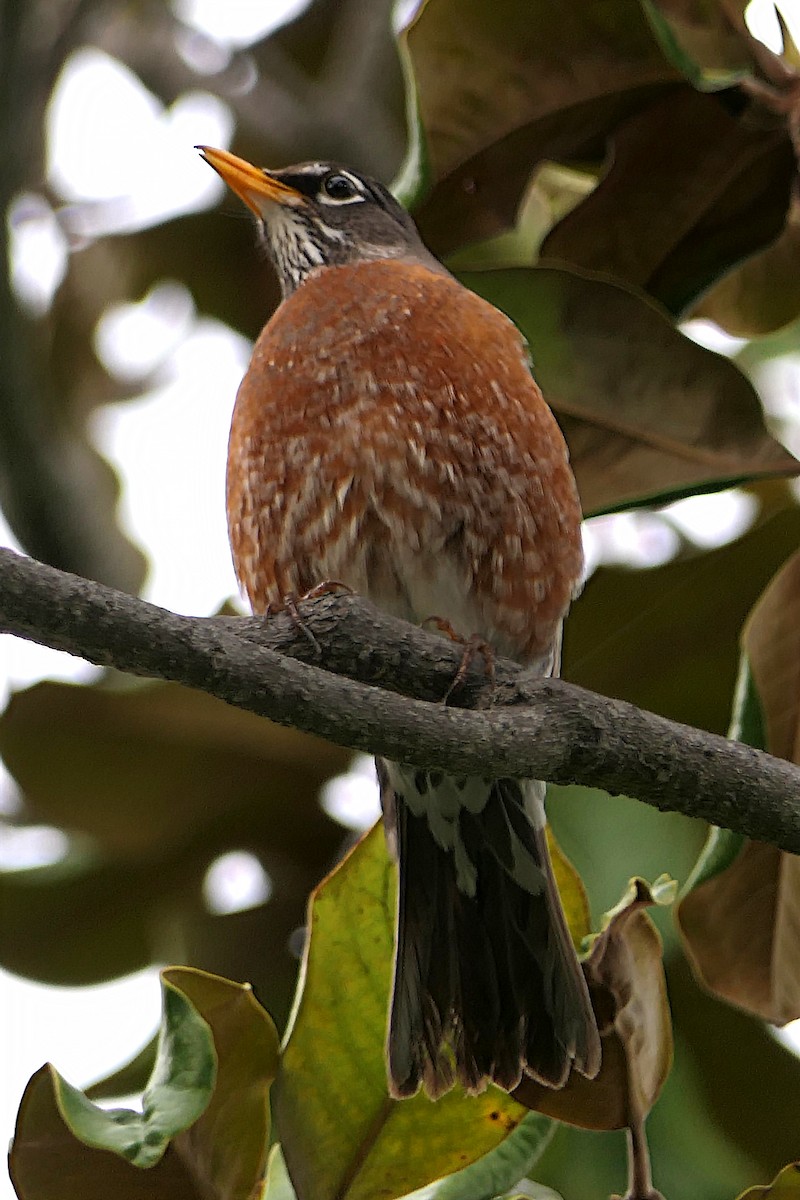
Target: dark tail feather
point(486, 985)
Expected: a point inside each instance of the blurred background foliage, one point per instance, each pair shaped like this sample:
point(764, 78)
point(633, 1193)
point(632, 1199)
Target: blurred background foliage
point(606, 171)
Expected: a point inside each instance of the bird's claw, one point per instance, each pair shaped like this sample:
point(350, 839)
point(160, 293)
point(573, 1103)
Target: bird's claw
point(472, 647)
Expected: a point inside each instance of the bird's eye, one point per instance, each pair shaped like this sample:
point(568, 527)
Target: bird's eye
point(339, 187)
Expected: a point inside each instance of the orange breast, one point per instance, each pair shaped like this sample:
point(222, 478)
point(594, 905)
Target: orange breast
point(388, 434)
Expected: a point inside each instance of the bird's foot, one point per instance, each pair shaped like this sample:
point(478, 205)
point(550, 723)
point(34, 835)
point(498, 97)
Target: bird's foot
point(328, 587)
point(289, 604)
point(472, 646)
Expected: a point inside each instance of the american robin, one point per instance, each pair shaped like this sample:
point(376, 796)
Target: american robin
point(389, 434)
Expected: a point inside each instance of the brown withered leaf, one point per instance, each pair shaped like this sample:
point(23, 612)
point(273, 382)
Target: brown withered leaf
point(741, 927)
point(742, 932)
point(626, 981)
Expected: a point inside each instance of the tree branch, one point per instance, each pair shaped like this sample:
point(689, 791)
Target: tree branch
point(368, 681)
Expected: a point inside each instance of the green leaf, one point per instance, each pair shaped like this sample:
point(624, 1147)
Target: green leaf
point(341, 1134)
point(414, 178)
point(177, 1093)
point(499, 1170)
point(747, 725)
point(647, 413)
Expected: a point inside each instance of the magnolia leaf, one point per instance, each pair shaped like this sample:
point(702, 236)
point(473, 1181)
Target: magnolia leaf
point(703, 40)
point(177, 1093)
point(278, 1185)
point(44, 1149)
point(661, 218)
point(785, 1186)
point(413, 181)
point(503, 1167)
point(622, 629)
point(723, 845)
point(178, 758)
point(771, 641)
point(203, 1130)
point(341, 1134)
point(484, 71)
point(193, 778)
point(647, 413)
point(763, 293)
point(496, 94)
point(574, 900)
point(742, 932)
point(226, 1149)
point(61, 1134)
point(626, 981)
point(741, 924)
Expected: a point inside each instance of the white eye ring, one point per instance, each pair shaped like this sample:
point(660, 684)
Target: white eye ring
point(351, 193)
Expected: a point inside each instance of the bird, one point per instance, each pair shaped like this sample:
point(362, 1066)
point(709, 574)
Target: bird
point(389, 435)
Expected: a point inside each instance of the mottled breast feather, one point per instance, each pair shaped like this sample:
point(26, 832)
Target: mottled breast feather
point(369, 453)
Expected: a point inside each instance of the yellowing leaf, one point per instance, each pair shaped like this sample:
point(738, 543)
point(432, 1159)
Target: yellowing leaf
point(340, 1133)
point(574, 900)
point(785, 1186)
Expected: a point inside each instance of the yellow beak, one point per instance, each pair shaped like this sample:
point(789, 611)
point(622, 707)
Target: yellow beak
point(251, 184)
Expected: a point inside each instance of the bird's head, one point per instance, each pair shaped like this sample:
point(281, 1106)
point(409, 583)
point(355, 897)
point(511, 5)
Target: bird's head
point(319, 214)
